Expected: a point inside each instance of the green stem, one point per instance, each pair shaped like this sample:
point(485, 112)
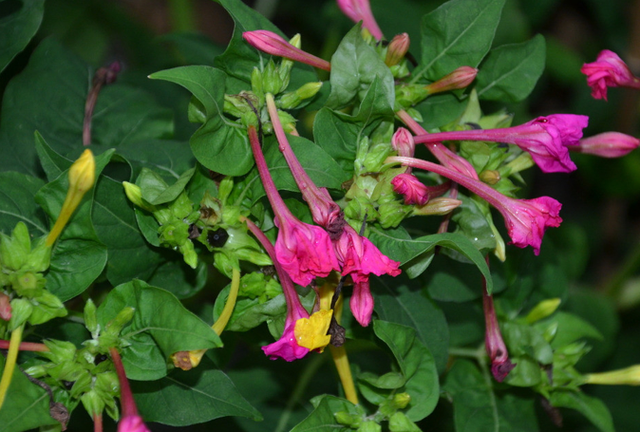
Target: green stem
point(9, 366)
point(307, 373)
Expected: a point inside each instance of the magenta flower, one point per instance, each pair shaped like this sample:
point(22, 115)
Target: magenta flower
point(445, 156)
point(458, 79)
point(304, 251)
point(608, 71)
point(526, 220)
point(361, 303)
point(545, 138)
point(132, 423)
point(494, 344)
point(360, 10)
point(275, 45)
point(607, 145)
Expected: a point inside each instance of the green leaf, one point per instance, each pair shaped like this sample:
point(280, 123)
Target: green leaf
point(322, 418)
point(458, 33)
point(249, 313)
point(397, 244)
point(161, 326)
point(476, 408)
point(323, 170)
point(78, 257)
point(355, 66)
point(130, 256)
point(156, 191)
point(414, 309)
point(180, 279)
point(592, 408)
point(57, 78)
point(18, 28)
point(219, 144)
point(52, 163)
point(417, 365)
point(26, 406)
point(472, 223)
point(570, 329)
point(192, 48)
point(166, 157)
point(17, 204)
point(337, 137)
point(196, 396)
point(510, 72)
point(523, 339)
point(440, 109)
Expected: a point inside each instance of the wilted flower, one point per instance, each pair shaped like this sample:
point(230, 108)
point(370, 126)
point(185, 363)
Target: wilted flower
point(607, 145)
point(273, 44)
point(608, 71)
point(545, 138)
point(360, 10)
point(496, 349)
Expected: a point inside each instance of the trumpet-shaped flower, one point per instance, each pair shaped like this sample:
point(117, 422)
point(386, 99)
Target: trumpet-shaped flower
point(526, 220)
point(275, 45)
point(132, 423)
point(311, 332)
point(545, 138)
point(608, 71)
point(607, 145)
point(360, 10)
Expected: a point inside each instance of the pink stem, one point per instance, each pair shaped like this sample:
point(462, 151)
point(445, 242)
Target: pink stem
point(26, 346)
point(126, 397)
point(97, 422)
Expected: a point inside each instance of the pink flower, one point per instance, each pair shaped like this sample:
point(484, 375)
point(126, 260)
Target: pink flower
point(458, 79)
point(607, 144)
point(545, 138)
point(361, 303)
point(608, 71)
point(132, 423)
point(304, 251)
point(359, 257)
point(360, 10)
point(413, 190)
point(286, 347)
point(526, 220)
point(273, 44)
point(494, 344)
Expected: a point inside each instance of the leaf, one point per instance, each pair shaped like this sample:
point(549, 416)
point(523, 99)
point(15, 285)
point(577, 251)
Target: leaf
point(220, 144)
point(570, 329)
point(196, 396)
point(52, 163)
point(458, 33)
point(322, 418)
point(440, 109)
point(26, 406)
point(397, 244)
point(17, 204)
point(592, 408)
point(156, 191)
point(337, 137)
point(54, 77)
point(510, 72)
point(417, 365)
point(476, 408)
point(192, 48)
point(249, 313)
point(472, 223)
point(161, 326)
point(18, 27)
point(355, 66)
point(78, 257)
point(323, 170)
point(166, 157)
point(413, 309)
point(130, 256)
point(180, 279)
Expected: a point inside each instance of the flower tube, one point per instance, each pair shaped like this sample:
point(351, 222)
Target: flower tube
point(545, 138)
point(496, 349)
point(526, 220)
point(360, 10)
point(131, 420)
point(275, 45)
point(608, 71)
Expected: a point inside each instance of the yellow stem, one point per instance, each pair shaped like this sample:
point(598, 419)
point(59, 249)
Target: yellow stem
point(9, 366)
point(224, 317)
point(341, 361)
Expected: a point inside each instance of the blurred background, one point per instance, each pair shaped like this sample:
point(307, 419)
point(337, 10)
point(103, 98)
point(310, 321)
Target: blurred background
point(601, 209)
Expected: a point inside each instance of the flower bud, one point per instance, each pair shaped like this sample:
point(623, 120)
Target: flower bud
point(396, 50)
point(273, 44)
point(402, 142)
point(351, 420)
point(626, 376)
point(542, 310)
point(401, 400)
point(134, 194)
point(293, 99)
point(271, 81)
point(39, 258)
point(437, 207)
point(489, 176)
point(5, 307)
point(607, 145)
point(91, 318)
point(256, 83)
point(458, 79)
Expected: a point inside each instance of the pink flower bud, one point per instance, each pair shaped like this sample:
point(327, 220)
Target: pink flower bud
point(413, 190)
point(360, 10)
point(273, 44)
point(361, 303)
point(397, 49)
point(607, 144)
point(5, 307)
point(496, 349)
point(402, 142)
point(458, 79)
point(608, 71)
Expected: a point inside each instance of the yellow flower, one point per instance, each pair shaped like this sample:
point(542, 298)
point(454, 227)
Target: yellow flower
point(311, 332)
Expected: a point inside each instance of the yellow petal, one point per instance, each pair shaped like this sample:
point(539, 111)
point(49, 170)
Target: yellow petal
point(311, 332)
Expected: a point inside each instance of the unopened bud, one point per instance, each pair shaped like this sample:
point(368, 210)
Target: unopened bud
point(344, 418)
point(5, 307)
point(91, 317)
point(397, 49)
point(543, 310)
point(626, 376)
point(293, 99)
point(273, 44)
point(286, 65)
point(489, 176)
point(607, 145)
point(271, 81)
point(82, 175)
point(256, 83)
point(134, 194)
point(458, 79)
point(401, 400)
point(402, 142)
point(437, 207)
